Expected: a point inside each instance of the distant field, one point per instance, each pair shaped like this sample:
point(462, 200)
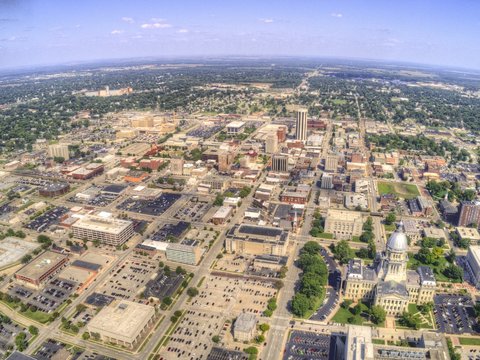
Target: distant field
point(403, 190)
point(339, 101)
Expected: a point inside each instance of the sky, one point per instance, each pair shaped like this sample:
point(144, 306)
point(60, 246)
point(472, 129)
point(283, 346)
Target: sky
point(46, 32)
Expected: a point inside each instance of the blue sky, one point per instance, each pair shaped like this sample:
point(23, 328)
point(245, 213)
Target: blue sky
point(443, 32)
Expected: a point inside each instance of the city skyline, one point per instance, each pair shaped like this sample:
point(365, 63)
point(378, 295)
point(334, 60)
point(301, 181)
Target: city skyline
point(49, 33)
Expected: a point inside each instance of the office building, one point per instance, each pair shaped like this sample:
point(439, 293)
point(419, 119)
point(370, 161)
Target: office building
point(176, 166)
point(343, 224)
point(331, 163)
point(57, 151)
point(469, 213)
point(280, 163)
point(473, 264)
point(235, 127)
point(271, 144)
point(123, 323)
point(387, 282)
point(185, 254)
point(301, 125)
point(256, 240)
point(41, 268)
point(327, 181)
point(107, 230)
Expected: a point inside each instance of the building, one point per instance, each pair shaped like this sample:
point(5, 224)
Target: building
point(221, 215)
point(185, 254)
point(123, 323)
point(87, 172)
point(225, 160)
point(12, 250)
point(54, 189)
point(244, 328)
point(58, 151)
point(356, 201)
point(301, 125)
point(256, 240)
point(235, 127)
point(327, 181)
point(473, 264)
point(107, 230)
point(361, 186)
point(331, 163)
point(358, 344)
point(387, 282)
point(41, 268)
point(468, 233)
point(271, 144)
point(469, 213)
point(280, 163)
point(176, 166)
point(343, 224)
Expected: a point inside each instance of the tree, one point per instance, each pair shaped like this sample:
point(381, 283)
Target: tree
point(377, 314)
point(346, 303)
point(20, 341)
point(86, 336)
point(300, 304)
point(453, 272)
point(264, 327)
point(192, 291)
point(167, 300)
point(259, 339)
point(33, 330)
point(311, 285)
point(357, 309)
point(216, 339)
point(342, 252)
point(311, 247)
point(390, 218)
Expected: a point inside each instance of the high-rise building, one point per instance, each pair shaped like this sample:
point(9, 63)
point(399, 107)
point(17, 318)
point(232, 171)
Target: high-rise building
point(225, 160)
point(58, 150)
point(302, 124)
point(469, 213)
point(271, 144)
point(280, 163)
point(327, 181)
point(108, 231)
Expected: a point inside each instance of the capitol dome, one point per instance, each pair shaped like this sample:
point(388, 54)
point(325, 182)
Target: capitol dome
point(398, 240)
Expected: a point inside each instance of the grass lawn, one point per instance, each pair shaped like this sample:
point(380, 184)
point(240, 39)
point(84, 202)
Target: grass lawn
point(469, 341)
point(437, 270)
point(378, 341)
point(325, 236)
point(339, 101)
point(389, 228)
point(38, 316)
point(400, 189)
point(356, 238)
point(342, 316)
point(413, 309)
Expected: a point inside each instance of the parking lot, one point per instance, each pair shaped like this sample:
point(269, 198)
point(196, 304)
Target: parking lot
point(49, 298)
point(205, 131)
point(192, 337)
point(454, 314)
point(171, 232)
point(8, 331)
point(130, 277)
point(153, 207)
point(304, 345)
point(95, 196)
point(192, 211)
point(163, 285)
point(235, 294)
point(49, 218)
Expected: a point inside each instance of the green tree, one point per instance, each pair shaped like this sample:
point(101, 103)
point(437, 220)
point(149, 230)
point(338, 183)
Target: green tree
point(33, 330)
point(192, 291)
point(301, 304)
point(378, 314)
point(342, 252)
point(390, 218)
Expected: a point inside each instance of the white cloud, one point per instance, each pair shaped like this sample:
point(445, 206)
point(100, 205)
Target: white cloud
point(117, 32)
point(183, 31)
point(157, 25)
point(267, 21)
point(337, 15)
point(157, 20)
point(128, 19)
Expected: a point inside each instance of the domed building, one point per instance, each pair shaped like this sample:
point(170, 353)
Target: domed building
point(387, 282)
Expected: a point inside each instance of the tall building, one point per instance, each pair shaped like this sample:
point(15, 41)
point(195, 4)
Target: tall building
point(225, 160)
point(176, 166)
point(327, 181)
point(58, 150)
point(271, 144)
point(388, 282)
point(473, 264)
point(302, 125)
point(107, 230)
point(280, 163)
point(469, 213)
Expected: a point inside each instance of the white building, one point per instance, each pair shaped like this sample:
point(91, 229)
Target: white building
point(107, 230)
point(235, 127)
point(301, 129)
point(58, 150)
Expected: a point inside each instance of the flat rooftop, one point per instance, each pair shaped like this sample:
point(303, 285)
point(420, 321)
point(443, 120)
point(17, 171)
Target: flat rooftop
point(41, 264)
point(122, 320)
point(102, 224)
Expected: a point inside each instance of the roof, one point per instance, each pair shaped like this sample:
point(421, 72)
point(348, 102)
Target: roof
point(41, 264)
point(86, 265)
point(122, 320)
point(398, 241)
point(102, 224)
point(19, 356)
point(392, 288)
point(245, 322)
